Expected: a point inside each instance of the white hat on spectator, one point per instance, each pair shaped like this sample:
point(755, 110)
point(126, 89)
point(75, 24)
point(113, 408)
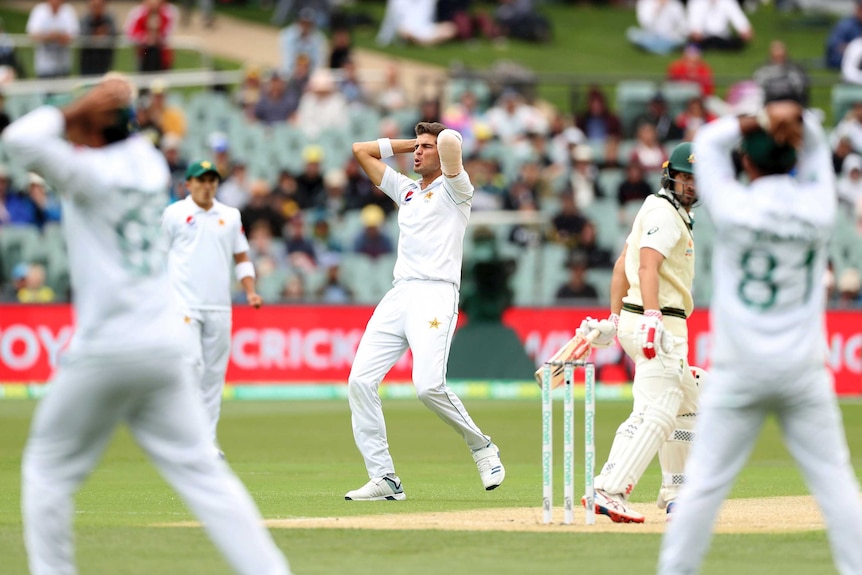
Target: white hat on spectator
point(218, 142)
point(335, 178)
point(849, 281)
point(171, 141)
point(321, 81)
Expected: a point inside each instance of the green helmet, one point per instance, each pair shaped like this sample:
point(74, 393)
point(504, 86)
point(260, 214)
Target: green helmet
point(681, 159)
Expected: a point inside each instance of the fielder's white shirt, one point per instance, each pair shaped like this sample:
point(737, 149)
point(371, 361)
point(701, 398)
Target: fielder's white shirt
point(52, 58)
point(112, 200)
point(770, 251)
point(661, 226)
point(201, 247)
point(431, 224)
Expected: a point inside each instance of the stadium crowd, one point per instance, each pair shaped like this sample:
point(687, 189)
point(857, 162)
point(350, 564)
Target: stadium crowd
point(320, 232)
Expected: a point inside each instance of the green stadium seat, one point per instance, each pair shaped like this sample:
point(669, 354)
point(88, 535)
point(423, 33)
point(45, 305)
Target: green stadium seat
point(678, 94)
point(527, 279)
point(632, 98)
point(843, 97)
point(603, 213)
point(601, 280)
point(609, 181)
point(20, 244)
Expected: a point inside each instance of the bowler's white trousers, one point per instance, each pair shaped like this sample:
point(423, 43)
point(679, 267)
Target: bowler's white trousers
point(733, 407)
point(210, 352)
point(147, 390)
point(420, 315)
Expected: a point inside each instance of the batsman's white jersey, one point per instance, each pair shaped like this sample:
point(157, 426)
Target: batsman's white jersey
point(201, 248)
point(124, 361)
point(768, 350)
point(419, 312)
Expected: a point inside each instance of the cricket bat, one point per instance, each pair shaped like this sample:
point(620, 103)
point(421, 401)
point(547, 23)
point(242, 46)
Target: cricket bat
point(575, 349)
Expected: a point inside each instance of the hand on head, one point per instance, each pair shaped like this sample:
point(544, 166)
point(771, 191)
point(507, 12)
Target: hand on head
point(88, 116)
point(785, 122)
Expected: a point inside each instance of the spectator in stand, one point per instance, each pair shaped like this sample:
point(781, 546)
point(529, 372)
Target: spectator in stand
point(259, 208)
point(170, 119)
point(310, 191)
point(577, 288)
point(325, 245)
point(220, 147)
point(358, 188)
point(300, 249)
point(262, 246)
point(342, 48)
point(170, 146)
point(53, 26)
point(277, 104)
point(569, 222)
point(850, 183)
point(512, 118)
point(693, 117)
point(37, 207)
point(781, 78)
point(584, 178)
point(34, 289)
point(350, 87)
point(634, 188)
point(10, 66)
point(844, 32)
point(648, 152)
point(9, 294)
point(235, 191)
point(461, 116)
point(333, 291)
point(293, 290)
point(718, 24)
point(303, 38)
point(100, 32)
point(322, 106)
point(285, 195)
point(468, 22)
point(392, 98)
point(599, 124)
point(663, 26)
point(658, 115)
point(842, 148)
point(692, 68)
point(519, 19)
point(149, 26)
point(333, 203)
point(413, 22)
point(849, 127)
point(597, 257)
point(372, 242)
point(205, 7)
point(429, 109)
point(248, 93)
point(528, 235)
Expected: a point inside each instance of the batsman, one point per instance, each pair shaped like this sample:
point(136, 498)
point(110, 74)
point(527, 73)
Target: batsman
point(650, 302)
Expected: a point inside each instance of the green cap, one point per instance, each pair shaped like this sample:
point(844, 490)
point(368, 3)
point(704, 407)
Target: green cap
point(198, 169)
point(767, 155)
point(682, 158)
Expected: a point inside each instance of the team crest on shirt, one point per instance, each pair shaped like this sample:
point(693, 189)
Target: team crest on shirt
point(220, 222)
point(408, 196)
point(190, 220)
point(434, 324)
point(428, 196)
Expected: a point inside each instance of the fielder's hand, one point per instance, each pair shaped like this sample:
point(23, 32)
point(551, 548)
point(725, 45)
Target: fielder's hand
point(652, 336)
point(606, 327)
point(254, 300)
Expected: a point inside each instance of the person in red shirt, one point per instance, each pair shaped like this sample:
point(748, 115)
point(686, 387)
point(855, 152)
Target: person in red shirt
point(692, 68)
point(148, 26)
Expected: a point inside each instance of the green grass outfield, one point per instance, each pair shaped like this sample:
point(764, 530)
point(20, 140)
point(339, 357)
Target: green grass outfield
point(298, 459)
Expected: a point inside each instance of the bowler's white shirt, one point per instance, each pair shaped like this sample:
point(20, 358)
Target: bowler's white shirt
point(770, 252)
point(431, 224)
point(201, 248)
point(112, 201)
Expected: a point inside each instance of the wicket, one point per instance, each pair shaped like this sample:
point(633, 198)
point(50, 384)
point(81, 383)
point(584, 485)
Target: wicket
point(568, 441)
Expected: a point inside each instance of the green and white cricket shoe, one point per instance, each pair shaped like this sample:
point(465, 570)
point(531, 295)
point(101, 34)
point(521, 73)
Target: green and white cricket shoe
point(491, 469)
point(378, 489)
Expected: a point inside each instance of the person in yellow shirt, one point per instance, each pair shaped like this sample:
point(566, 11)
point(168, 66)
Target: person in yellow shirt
point(650, 301)
point(34, 289)
point(169, 119)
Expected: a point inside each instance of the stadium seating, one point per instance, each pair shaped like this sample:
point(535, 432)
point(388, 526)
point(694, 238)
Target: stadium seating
point(843, 96)
point(632, 99)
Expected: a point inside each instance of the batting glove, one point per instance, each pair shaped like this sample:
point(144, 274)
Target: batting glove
point(652, 336)
point(607, 331)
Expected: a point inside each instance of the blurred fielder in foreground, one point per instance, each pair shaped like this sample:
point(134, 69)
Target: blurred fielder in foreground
point(125, 361)
point(769, 344)
point(204, 238)
point(650, 301)
point(421, 310)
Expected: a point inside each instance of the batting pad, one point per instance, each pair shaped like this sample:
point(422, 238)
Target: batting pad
point(659, 419)
point(672, 456)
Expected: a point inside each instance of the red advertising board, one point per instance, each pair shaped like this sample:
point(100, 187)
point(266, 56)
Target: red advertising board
point(292, 344)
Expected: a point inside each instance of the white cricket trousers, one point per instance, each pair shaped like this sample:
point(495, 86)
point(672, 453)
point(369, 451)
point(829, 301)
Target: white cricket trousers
point(210, 352)
point(88, 398)
point(420, 315)
point(734, 405)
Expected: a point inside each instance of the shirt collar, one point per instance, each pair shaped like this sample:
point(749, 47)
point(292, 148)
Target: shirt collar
point(196, 209)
